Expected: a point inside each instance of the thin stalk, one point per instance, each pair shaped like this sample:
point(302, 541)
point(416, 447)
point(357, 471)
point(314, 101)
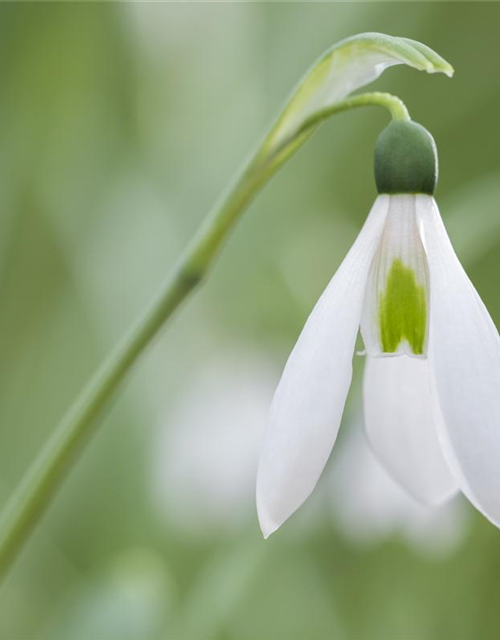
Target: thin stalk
point(36, 491)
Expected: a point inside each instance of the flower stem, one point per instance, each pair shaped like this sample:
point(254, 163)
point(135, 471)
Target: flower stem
point(40, 484)
point(393, 104)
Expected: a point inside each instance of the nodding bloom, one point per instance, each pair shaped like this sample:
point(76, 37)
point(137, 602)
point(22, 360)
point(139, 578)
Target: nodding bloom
point(432, 372)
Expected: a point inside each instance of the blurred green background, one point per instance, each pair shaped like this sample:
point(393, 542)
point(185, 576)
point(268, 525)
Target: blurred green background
point(119, 125)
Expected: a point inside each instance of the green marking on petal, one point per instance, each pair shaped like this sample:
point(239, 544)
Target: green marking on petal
point(402, 310)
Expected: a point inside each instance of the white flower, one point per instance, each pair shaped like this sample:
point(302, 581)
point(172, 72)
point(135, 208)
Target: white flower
point(432, 375)
point(367, 506)
point(204, 459)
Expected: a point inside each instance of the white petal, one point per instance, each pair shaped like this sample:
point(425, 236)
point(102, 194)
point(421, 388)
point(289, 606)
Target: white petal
point(309, 401)
point(401, 425)
point(464, 357)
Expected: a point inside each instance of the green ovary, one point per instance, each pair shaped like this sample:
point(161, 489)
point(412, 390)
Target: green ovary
point(402, 310)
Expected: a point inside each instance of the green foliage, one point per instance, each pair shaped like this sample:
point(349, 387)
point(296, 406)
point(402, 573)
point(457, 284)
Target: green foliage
point(119, 124)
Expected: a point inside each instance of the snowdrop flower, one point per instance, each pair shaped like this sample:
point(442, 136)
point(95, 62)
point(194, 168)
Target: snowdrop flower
point(367, 506)
point(432, 373)
point(203, 479)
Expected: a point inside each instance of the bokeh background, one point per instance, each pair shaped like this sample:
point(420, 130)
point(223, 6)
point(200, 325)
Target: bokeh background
point(119, 125)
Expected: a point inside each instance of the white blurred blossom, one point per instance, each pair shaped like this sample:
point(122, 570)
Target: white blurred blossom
point(368, 506)
point(205, 455)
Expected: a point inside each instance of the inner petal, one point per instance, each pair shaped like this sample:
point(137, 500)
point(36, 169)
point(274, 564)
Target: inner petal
point(396, 304)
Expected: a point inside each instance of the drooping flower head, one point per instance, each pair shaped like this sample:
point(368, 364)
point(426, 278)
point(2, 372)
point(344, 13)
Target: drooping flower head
point(432, 371)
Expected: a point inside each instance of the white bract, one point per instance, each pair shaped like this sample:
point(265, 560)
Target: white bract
point(432, 376)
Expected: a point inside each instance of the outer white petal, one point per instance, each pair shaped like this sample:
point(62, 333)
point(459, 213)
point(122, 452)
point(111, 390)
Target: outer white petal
point(309, 401)
point(464, 356)
point(401, 425)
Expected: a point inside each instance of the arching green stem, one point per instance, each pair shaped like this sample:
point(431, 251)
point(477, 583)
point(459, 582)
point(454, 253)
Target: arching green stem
point(37, 489)
point(393, 104)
